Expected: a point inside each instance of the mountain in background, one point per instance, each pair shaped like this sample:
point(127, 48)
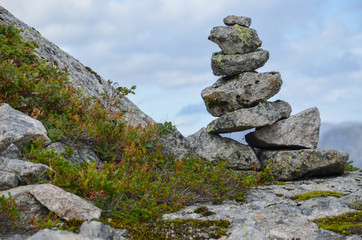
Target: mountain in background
point(346, 136)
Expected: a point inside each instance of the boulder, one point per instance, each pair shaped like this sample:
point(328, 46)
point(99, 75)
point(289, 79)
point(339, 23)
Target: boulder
point(234, 64)
point(67, 205)
point(242, 21)
point(264, 114)
point(213, 148)
point(19, 129)
point(175, 144)
point(80, 153)
point(8, 180)
point(29, 205)
point(26, 172)
point(103, 231)
point(296, 132)
point(235, 39)
point(245, 90)
point(11, 152)
point(294, 164)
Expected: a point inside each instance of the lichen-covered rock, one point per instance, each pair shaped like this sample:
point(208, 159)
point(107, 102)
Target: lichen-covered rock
point(103, 231)
point(264, 114)
point(213, 148)
point(242, 21)
point(79, 75)
point(245, 90)
point(80, 153)
point(230, 65)
point(270, 213)
point(47, 234)
point(294, 164)
point(26, 172)
point(19, 129)
point(11, 152)
point(8, 180)
point(296, 132)
point(235, 39)
point(65, 204)
point(175, 144)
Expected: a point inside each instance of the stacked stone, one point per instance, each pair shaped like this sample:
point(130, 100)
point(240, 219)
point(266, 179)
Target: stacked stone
point(239, 100)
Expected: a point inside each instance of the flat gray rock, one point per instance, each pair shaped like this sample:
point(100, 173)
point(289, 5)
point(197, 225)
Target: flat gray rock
point(47, 234)
point(263, 114)
point(270, 213)
point(19, 129)
point(242, 21)
point(103, 231)
point(296, 132)
point(235, 39)
point(213, 148)
point(26, 172)
point(67, 205)
point(294, 164)
point(243, 91)
point(230, 65)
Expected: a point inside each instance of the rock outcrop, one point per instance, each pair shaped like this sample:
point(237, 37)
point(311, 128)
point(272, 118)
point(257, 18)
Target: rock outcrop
point(271, 212)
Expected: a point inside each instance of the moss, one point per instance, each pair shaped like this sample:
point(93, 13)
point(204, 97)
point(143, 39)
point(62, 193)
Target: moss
point(204, 211)
point(173, 228)
point(72, 225)
point(348, 223)
point(279, 195)
point(314, 194)
point(319, 182)
point(355, 205)
point(214, 103)
point(281, 183)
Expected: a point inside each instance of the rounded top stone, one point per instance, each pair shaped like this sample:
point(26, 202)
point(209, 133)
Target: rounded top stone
point(242, 21)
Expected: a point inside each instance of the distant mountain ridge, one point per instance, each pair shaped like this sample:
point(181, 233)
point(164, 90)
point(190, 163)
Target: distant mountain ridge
point(346, 136)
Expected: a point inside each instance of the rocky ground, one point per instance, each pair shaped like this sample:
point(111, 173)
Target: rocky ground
point(270, 213)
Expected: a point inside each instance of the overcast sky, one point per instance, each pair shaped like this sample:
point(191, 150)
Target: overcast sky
point(161, 46)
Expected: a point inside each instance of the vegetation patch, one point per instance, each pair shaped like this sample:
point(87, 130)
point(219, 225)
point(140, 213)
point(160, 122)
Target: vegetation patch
point(315, 194)
point(348, 223)
point(204, 211)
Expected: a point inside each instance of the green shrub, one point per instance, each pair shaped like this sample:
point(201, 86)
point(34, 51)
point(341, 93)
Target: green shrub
point(9, 215)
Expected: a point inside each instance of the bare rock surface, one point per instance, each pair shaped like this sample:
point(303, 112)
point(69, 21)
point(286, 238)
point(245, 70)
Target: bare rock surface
point(175, 144)
point(67, 205)
point(80, 153)
point(11, 152)
point(235, 39)
point(233, 64)
point(264, 114)
point(47, 234)
point(213, 148)
point(8, 180)
point(240, 20)
point(270, 213)
point(19, 129)
point(296, 132)
point(245, 90)
point(294, 164)
point(26, 172)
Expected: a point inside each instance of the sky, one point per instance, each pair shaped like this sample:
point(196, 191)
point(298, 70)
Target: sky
point(161, 46)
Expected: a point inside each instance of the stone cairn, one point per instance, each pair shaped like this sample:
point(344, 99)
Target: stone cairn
point(239, 100)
